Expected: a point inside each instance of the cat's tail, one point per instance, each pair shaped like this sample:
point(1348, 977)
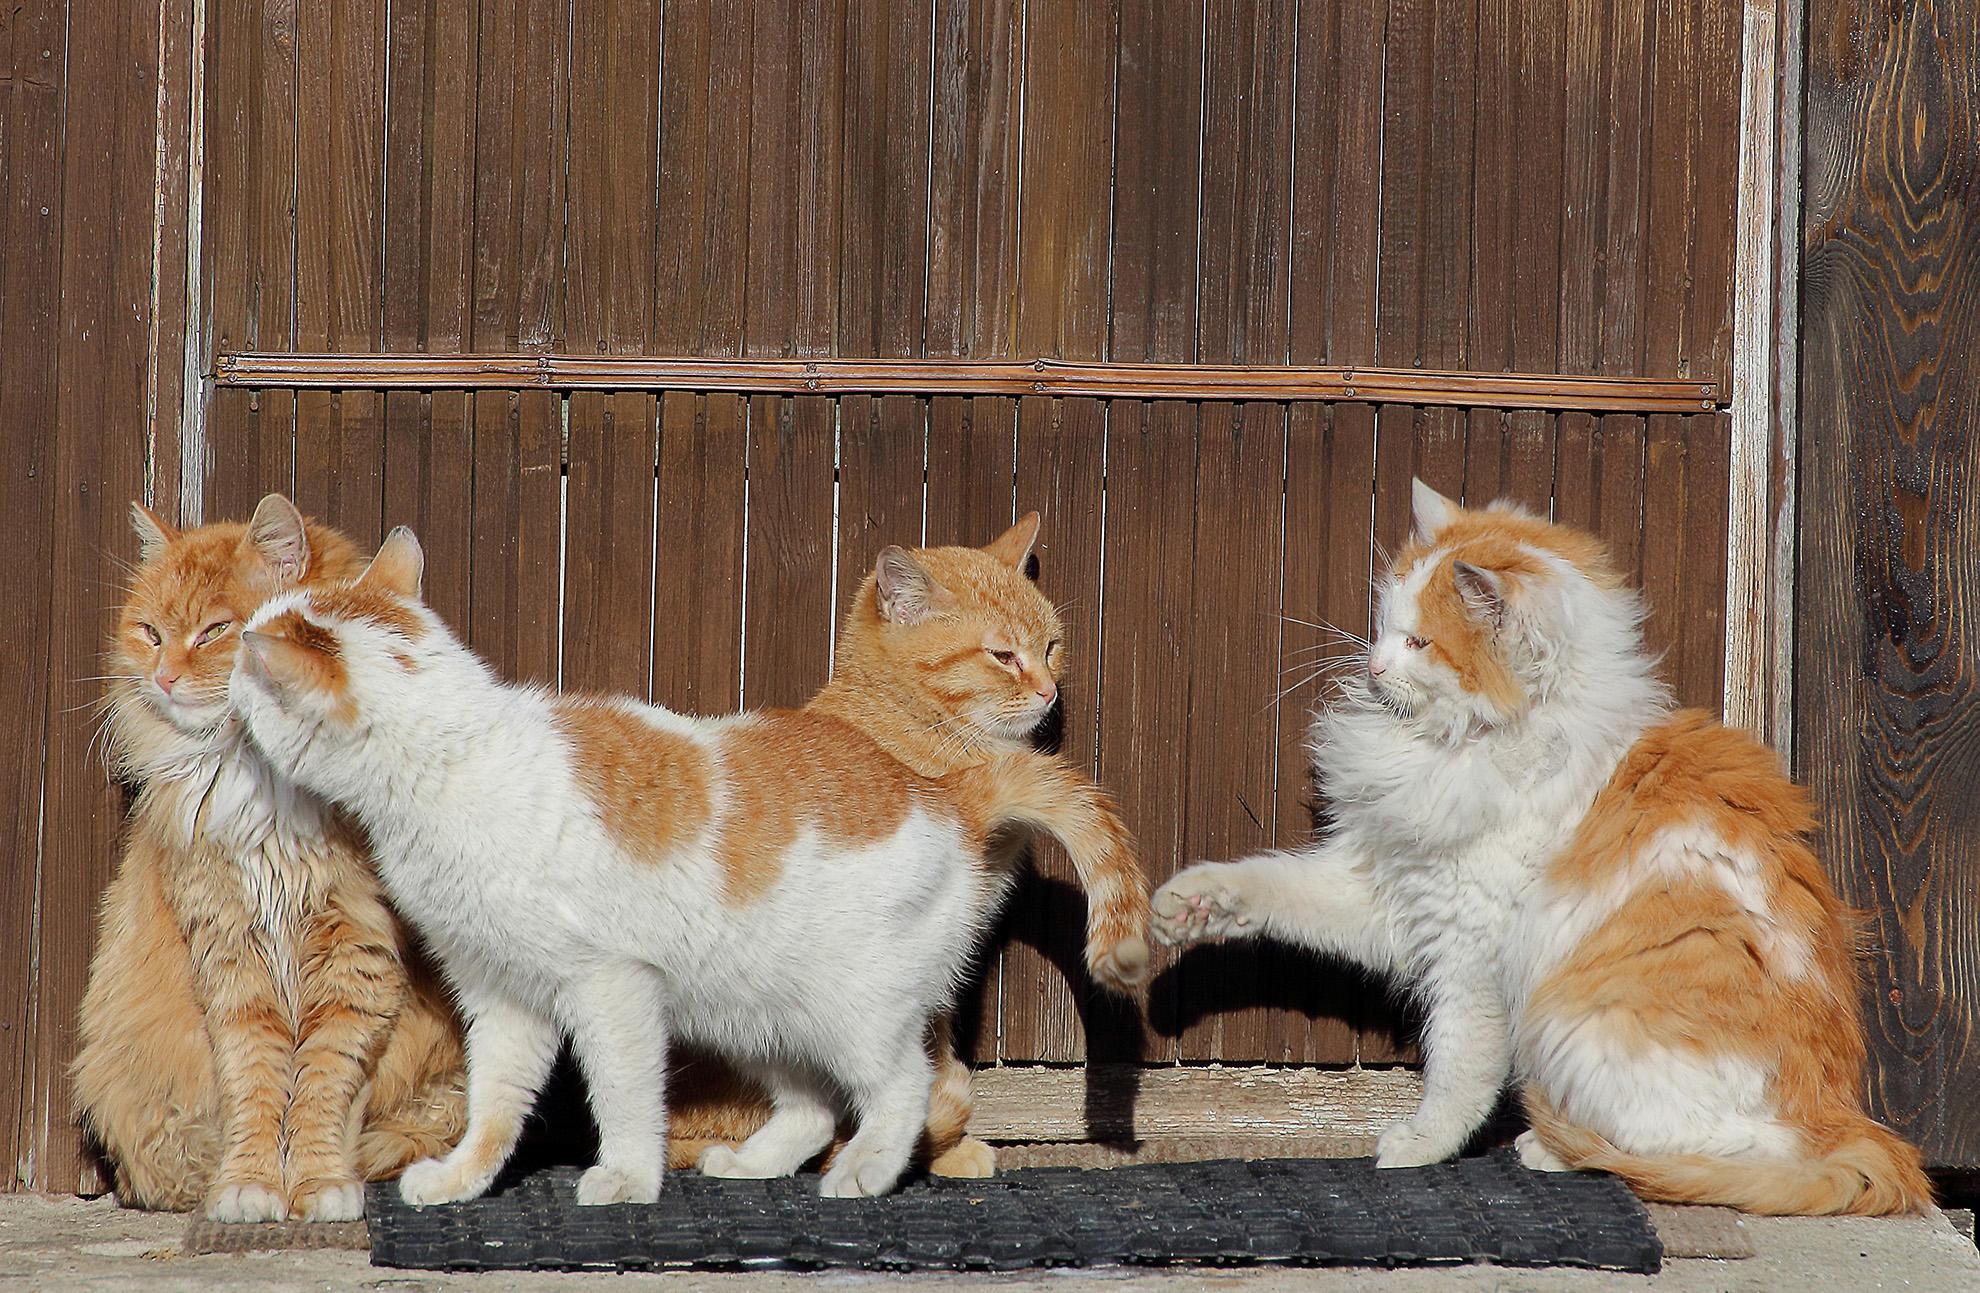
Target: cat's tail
point(1873, 1173)
point(1023, 791)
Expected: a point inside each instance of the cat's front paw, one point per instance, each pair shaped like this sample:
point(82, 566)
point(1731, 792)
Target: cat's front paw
point(608, 1183)
point(1200, 905)
point(326, 1201)
point(438, 1180)
point(246, 1201)
point(1402, 1145)
point(1121, 965)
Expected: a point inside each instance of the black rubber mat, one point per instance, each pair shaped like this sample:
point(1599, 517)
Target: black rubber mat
point(1308, 1212)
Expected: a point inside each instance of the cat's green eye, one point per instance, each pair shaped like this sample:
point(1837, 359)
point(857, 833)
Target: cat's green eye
point(212, 631)
point(151, 635)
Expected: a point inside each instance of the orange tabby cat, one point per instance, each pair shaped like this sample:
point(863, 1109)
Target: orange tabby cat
point(253, 1041)
point(948, 659)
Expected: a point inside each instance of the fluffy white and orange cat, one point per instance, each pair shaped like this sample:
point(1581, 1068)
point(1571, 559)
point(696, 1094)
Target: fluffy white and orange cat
point(774, 887)
point(255, 1040)
point(1608, 901)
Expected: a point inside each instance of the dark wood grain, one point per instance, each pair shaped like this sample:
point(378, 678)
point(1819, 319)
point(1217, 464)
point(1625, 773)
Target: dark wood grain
point(1885, 653)
point(699, 553)
point(787, 630)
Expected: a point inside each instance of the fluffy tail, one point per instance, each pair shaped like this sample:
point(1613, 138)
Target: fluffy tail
point(1873, 1173)
point(1031, 791)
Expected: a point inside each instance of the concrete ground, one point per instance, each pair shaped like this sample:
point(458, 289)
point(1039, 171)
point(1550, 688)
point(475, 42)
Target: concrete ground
point(59, 1242)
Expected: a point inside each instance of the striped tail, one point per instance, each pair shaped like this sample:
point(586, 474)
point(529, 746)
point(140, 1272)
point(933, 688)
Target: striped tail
point(1874, 1173)
point(1024, 791)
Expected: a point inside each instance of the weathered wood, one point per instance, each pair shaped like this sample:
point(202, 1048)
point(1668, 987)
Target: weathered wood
point(1112, 1102)
point(1889, 529)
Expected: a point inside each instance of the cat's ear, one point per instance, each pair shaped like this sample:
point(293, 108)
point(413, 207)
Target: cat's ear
point(1432, 510)
point(153, 531)
point(1014, 545)
point(905, 592)
point(1482, 591)
point(276, 532)
point(398, 566)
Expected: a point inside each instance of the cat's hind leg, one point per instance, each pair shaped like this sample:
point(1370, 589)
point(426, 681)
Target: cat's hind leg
point(618, 1028)
point(892, 1105)
point(1319, 900)
point(509, 1052)
point(801, 1125)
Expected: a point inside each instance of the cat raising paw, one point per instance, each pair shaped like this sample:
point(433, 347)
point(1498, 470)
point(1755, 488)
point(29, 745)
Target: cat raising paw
point(1201, 905)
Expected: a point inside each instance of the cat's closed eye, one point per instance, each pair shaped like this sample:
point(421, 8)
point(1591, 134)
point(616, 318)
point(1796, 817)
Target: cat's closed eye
point(151, 635)
point(1008, 659)
point(1415, 643)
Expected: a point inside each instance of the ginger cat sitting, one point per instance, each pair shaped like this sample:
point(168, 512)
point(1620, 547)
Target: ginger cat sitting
point(254, 1041)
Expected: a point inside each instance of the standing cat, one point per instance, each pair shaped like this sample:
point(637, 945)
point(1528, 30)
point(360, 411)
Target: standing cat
point(251, 1040)
point(949, 657)
point(1608, 900)
point(773, 887)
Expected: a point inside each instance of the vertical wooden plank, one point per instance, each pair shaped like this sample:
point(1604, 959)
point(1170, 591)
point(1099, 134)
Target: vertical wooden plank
point(512, 606)
point(1584, 179)
point(31, 225)
point(1699, 665)
point(1047, 1008)
point(1666, 532)
point(1708, 348)
point(1067, 155)
point(770, 320)
point(973, 164)
point(699, 553)
point(1888, 529)
point(1449, 176)
point(1670, 160)
point(1538, 194)
point(1319, 94)
point(1498, 154)
point(1158, 154)
point(1247, 176)
point(1619, 486)
point(1229, 730)
point(1625, 191)
point(787, 626)
point(1402, 255)
point(703, 205)
point(1352, 303)
point(972, 444)
point(828, 129)
point(609, 592)
point(885, 182)
point(1148, 596)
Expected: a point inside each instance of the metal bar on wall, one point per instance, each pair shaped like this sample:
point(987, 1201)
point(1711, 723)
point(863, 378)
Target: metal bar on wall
point(962, 377)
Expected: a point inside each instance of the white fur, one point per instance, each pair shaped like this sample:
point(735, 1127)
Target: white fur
point(489, 846)
point(1447, 812)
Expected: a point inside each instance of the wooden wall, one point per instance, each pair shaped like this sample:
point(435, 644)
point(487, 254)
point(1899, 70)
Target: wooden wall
point(1490, 186)
point(1887, 661)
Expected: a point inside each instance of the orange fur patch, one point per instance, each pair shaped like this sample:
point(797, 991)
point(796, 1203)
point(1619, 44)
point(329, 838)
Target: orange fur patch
point(651, 787)
point(787, 770)
point(358, 602)
point(1682, 962)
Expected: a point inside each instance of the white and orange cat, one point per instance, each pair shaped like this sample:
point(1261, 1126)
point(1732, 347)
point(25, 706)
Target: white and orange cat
point(776, 888)
point(949, 657)
point(1607, 901)
point(254, 1040)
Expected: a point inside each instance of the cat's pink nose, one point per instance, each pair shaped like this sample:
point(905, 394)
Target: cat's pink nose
point(1375, 668)
point(1048, 693)
point(165, 681)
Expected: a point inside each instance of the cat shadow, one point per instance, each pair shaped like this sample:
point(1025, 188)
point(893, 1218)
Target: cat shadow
point(1213, 980)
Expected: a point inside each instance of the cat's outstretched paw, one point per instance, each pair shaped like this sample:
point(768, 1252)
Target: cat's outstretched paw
point(969, 1158)
point(1121, 966)
point(438, 1180)
point(246, 1201)
point(610, 1184)
point(1536, 1157)
point(1201, 905)
point(1402, 1145)
point(326, 1201)
point(860, 1173)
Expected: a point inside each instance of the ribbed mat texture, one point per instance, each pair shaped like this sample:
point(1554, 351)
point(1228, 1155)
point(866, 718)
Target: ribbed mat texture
point(1306, 1212)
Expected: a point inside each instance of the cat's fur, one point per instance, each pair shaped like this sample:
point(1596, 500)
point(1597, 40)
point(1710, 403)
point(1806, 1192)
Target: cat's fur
point(774, 887)
point(1608, 901)
point(947, 657)
point(252, 1042)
